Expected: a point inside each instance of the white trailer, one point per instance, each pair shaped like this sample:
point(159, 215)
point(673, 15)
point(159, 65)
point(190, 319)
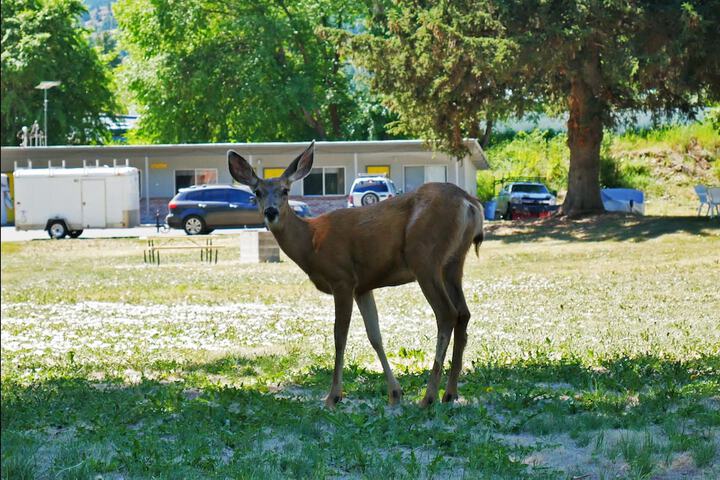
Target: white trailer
point(64, 201)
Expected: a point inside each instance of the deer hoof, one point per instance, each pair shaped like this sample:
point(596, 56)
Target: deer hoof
point(449, 397)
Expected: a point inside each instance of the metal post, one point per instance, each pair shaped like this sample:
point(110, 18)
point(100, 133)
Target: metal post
point(147, 188)
point(45, 103)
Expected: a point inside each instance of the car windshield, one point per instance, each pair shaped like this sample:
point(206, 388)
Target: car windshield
point(363, 186)
point(529, 188)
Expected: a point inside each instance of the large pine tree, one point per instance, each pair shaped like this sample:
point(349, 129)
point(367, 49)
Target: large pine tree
point(445, 65)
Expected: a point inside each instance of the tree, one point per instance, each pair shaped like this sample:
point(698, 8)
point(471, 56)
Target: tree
point(445, 65)
point(245, 70)
point(42, 40)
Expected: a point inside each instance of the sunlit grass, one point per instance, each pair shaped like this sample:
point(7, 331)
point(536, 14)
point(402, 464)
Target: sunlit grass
point(594, 350)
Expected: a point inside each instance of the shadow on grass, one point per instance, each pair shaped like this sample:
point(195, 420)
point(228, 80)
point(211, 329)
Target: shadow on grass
point(199, 426)
point(613, 227)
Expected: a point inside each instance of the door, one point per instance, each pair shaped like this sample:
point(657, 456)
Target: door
point(214, 203)
point(93, 203)
point(414, 178)
point(243, 209)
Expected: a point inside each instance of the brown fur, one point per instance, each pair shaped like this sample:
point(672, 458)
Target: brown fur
point(422, 236)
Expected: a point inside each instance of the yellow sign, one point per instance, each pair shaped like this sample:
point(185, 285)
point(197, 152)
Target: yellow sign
point(272, 172)
point(158, 166)
point(379, 169)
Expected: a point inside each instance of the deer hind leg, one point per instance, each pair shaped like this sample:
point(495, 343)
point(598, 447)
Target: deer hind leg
point(366, 305)
point(453, 283)
point(446, 317)
point(343, 313)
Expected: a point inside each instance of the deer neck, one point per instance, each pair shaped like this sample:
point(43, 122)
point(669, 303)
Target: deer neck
point(294, 236)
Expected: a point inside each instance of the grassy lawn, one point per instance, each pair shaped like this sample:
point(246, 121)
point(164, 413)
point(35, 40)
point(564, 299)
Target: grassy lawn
point(594, 352)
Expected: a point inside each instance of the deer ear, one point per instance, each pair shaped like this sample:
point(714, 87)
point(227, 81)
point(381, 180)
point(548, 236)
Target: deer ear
point(301, 166)
point(241, 170)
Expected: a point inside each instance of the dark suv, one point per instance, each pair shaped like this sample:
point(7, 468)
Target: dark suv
point(203, 208)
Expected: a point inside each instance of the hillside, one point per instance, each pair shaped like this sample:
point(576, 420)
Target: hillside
point(666, 163)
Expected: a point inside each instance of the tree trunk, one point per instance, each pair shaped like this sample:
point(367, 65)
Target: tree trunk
point(485, 140)
point(585, 132)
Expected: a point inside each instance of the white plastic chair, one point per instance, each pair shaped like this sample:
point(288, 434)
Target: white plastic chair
point(713, 199)
point(701, 191)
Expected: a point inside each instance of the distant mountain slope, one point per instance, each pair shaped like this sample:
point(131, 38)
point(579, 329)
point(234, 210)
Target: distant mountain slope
point(99, 18)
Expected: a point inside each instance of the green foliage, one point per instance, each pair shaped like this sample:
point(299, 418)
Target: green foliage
point(246, 71)
point(444, 66)
point(533, 154)
point(41, 40)
point(485, 185)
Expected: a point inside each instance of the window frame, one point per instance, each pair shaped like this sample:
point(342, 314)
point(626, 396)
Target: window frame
point(325, 194)
point(195, 176)
point(425, 176)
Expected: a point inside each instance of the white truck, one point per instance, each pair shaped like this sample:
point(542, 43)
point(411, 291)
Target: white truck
point(64, 201)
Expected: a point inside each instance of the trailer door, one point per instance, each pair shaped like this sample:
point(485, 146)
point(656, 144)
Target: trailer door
point(93, 203)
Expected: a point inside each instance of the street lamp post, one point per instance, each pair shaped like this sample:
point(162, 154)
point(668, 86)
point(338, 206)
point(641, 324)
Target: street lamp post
point(45, 86)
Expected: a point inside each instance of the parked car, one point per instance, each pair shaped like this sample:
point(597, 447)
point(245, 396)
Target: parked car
point(519, 195)
point(366, 190)
point(203, 208)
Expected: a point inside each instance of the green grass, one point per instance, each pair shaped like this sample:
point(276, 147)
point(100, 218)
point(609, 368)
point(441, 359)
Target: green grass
point(594, 350)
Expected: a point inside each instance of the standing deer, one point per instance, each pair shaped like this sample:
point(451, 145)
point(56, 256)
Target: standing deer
point(424, 236)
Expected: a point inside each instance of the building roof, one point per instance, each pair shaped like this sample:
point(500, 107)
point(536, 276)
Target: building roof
point(476, 155)
point(105, 171)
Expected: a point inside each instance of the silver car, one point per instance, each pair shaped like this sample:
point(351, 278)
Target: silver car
point(367, 190)
point(516, 195)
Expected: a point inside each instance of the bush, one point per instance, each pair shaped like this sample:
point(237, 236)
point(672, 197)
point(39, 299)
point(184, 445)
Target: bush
point(485, 185)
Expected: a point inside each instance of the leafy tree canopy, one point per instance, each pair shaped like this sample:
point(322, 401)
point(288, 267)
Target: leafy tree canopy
point(246, 70)
point(443, 66)
point(42, 40)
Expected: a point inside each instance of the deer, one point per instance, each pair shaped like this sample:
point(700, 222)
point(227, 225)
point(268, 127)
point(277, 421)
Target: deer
point(421, 236)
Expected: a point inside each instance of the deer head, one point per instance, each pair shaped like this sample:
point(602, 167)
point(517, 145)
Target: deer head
point(271, 194)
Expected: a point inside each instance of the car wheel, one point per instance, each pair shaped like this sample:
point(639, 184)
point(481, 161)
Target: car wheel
point(194, 225)
point(369, 199)
point(508, 212)
point(57, 230)
point(75, 233)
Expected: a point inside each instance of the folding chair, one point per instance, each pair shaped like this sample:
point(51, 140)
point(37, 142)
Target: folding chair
point(701, 191)
point(713, 199)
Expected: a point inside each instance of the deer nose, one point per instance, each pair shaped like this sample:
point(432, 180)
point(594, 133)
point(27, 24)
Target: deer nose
point(271, 213)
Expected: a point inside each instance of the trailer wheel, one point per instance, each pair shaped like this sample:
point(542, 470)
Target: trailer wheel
point(75, 233)
point(57, 230)
point(194, 225)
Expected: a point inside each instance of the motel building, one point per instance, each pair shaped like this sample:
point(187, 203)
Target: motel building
point(164, 169)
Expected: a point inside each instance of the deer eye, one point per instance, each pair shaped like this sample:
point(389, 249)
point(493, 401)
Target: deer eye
point(258, 193)
point(285, 192)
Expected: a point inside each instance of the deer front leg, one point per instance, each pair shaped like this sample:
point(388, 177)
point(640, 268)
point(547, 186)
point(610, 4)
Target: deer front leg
point(343, 312)
point(368, 309)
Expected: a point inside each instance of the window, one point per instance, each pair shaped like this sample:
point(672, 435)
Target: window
point(379, 169)
point(197, 176)
point(371, 186)
point(325, 181)
point(272, 172)
point(215, 195)
point(193, 196)
point(239, 196)
point(529, 188)
point(205, 175)
point(415, 176)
